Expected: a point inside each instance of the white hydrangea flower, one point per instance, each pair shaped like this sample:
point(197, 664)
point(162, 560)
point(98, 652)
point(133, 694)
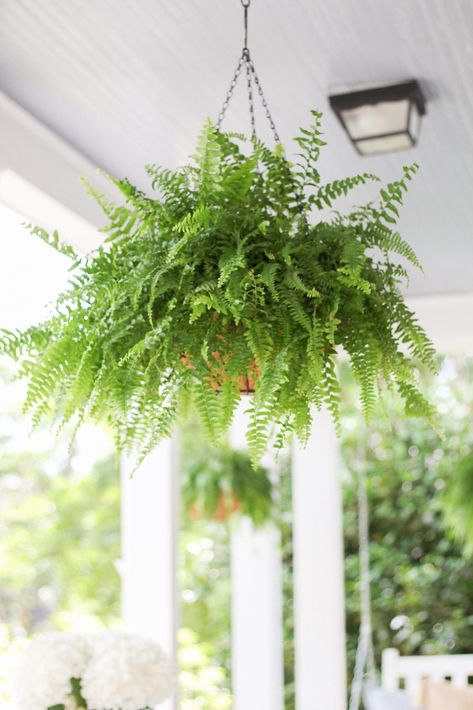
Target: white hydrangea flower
point(126, 672)
point(43, 674)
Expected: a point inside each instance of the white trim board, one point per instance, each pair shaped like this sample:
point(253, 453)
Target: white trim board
point(41, 209)
point(448, 320)
point(40, 172)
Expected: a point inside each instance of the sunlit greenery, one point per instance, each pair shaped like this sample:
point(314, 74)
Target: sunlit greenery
point(59, 524)
point(422, 582)
point(59, 531)
point(204, 576)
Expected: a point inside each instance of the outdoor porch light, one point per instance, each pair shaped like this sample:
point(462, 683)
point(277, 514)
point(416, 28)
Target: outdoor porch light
point(381, 119)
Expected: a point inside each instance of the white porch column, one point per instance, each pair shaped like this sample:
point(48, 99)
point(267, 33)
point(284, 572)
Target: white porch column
point(149, 532)
point(257, 637)
point(318, 572)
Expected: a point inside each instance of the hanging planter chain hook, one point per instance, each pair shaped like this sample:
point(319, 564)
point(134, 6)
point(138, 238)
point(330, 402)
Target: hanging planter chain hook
point(251, 78)
point(246, 5)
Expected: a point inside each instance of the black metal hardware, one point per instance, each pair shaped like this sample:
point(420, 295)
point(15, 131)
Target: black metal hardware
point(252, 79)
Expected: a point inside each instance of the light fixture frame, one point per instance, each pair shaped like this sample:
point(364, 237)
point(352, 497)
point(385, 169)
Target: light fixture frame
point(371, 95)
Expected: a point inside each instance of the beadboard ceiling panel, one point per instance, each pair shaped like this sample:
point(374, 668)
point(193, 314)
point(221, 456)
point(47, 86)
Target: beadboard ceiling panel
point(128, 82)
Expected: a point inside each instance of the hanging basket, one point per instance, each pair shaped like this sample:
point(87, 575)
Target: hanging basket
point(246, 382)
point(218, 375)
point(222, 483)
point(233, 261)
point(226, 507)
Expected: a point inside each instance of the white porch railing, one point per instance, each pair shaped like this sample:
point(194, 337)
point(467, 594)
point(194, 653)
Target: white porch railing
point(457, 668)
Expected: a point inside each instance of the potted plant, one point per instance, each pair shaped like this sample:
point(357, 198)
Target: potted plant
point(224, 482)
point(233, 254)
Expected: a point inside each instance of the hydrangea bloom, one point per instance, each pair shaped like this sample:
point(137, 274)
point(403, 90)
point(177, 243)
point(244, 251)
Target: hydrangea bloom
point(126, 672)
point(43, 676)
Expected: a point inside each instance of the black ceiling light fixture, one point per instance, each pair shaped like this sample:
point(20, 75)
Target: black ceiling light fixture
point(382, 118)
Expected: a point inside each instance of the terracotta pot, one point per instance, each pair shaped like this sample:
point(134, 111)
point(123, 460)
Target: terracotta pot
point(247, 382)
point(226, 506)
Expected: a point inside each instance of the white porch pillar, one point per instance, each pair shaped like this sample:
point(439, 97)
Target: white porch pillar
point(149, 533)
point(318, 572)
point(257, 637)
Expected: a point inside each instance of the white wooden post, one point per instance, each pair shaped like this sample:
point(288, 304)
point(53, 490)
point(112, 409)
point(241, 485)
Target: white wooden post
point(318, 572)
point(257, 638)
point(149, 533)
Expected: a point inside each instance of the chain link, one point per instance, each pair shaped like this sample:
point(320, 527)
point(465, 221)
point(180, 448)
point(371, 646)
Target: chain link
point(251, 76)
point(264, 102)
point(230, 91)
point(245, 23)
point(250, 97)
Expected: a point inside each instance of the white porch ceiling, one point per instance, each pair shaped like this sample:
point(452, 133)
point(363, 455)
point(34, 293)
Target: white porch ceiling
point(129, 82)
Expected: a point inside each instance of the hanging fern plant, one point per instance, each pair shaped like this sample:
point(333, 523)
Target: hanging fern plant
point(227, 273)
point(224, 483)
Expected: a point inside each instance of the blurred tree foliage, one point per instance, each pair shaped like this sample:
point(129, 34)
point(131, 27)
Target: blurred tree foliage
point(60, 540)
point(59, 532)
point(203, 684)
point(422, 581)
point(205, 587)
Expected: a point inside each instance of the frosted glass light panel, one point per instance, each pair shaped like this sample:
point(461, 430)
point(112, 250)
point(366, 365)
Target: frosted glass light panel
point(381, 119)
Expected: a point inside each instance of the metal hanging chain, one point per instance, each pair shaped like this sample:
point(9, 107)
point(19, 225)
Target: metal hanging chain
point(250, 99)
point(264, 102)
point(230, 91)
point(251, 76)
point(246, 5)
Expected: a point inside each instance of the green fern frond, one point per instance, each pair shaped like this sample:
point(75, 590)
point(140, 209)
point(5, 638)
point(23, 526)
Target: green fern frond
point(208, 159)
point(218, 276)
point(53, 240)
point(207, 403)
